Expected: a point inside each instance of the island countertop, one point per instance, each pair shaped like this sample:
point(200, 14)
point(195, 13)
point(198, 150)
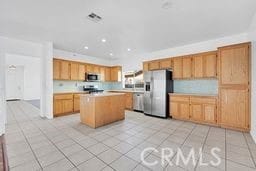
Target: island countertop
point(101, 95)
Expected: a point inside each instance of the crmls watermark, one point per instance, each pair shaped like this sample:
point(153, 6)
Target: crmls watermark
point(168, 153)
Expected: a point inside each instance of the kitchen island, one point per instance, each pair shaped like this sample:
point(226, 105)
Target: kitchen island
point(101, 109)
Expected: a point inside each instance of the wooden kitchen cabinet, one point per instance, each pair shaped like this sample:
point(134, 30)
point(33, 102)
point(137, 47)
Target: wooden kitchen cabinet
point(102, 73)
point(56, 69)
point(81, 72)
point(200, 109)
point(74, 71)
point(165, 64)
point(234, 64)
point(89, 68)
point(107, 74)
point(76, 102)
point(179, 107)
point(129, 101)
point(63, 103)
point(177, 68)
point(186, 67)
point(204, 65)
point(64, 70)
point(210, 64)
point(234, 86)
point(234, 108)
point(145, 66)
point(154, 65)
point(116, 73)
point(96, 69)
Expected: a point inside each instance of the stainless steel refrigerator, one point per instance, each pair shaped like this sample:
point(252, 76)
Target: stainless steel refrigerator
point(157, 85)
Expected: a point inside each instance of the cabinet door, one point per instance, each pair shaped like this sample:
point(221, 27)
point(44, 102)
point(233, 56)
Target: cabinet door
point(234, 65)
point(116, 74)
point(165, 64)
point(210, 65)
point(57, 107)
point(74, 71)
point(234, 108)
point(89, 68)
point(67, 105)
point(177, 68)
point(186, 67)
point(96, 69)
point(209, 111)
point(107, 74)
point(76, 102)
point(184, 110)
point(154, 65)
point(65, 70)
point(198, 65)
point(145, 66)
point(81, 72)
point(174, 110)
point(129, 101)
point(102, 73)
point(196, 112)
point(56, 69)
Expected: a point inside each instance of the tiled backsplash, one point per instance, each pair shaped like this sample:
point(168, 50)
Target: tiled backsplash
point(64, 86)
point(196, 86)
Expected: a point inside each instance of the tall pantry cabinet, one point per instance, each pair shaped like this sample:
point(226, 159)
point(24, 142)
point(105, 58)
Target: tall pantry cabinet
point(234, 86)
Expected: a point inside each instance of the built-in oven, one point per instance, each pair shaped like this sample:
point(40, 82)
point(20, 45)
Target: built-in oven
point(92, 77)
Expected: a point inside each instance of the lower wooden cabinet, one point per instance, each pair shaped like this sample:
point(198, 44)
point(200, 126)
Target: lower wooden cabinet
point(67, 103)
point(234, 111)
point(128, 99)
point(62, 104)
point(201, 109)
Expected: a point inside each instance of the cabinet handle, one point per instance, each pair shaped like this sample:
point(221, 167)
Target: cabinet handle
point(226, 98)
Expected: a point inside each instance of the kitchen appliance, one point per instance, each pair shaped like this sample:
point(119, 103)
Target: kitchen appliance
point(157, 85)
point(138, 101)
point(92, 77)
point(92, 89)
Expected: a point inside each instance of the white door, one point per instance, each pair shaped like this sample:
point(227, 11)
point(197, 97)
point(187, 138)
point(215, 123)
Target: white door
point(14, 83)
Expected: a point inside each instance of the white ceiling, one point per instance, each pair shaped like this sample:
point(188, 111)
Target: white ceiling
point(141, 25)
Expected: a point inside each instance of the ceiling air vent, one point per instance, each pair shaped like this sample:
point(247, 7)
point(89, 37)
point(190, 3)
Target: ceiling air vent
point(94, 17)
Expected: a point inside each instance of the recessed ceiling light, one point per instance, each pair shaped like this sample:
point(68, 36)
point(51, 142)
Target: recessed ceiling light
point(86, 47)
point(111, 54)
point(103, 40)
point(128, 49)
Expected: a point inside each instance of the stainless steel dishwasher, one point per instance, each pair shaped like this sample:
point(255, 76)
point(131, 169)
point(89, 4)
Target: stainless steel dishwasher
point(138, 104)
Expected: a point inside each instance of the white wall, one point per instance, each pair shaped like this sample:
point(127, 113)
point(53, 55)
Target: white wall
point(81, 58)
point(135, 62)
point(32, 84)
point(42, 50)
point(252, 37)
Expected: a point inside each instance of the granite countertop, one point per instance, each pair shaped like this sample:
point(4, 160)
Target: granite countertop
point(72, 92)
point(128, 91)
point(102, 94)
point(194, 94)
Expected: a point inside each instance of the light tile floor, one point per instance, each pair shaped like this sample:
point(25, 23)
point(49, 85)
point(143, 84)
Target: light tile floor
point(63, 143)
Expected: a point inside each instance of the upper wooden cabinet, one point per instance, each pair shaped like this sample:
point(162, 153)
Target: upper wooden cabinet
point(204, 65)
point(116, 73)
point(107, 74)
point(165, 64)
point(153, 65)
point(177, 68)
point(186, 67)
point(145, 66)
point(56, 69)
point(71, 70)
point(77, 71)
point(234, 64)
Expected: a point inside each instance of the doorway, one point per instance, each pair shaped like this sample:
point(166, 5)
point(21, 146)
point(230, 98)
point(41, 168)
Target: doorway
point(14, 83)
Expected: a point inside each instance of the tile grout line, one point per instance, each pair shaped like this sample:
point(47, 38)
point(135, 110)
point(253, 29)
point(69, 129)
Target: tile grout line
point(249, 151)
point(25, 138)
point(52, 144)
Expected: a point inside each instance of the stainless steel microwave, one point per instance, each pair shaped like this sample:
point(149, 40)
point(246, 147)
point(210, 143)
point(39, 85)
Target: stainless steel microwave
point(92, 77)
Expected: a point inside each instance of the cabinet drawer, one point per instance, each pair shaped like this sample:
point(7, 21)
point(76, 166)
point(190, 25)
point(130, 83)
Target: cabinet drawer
point(63, 97)
point(179, 98)
point(77, 95)
point(203, 100)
